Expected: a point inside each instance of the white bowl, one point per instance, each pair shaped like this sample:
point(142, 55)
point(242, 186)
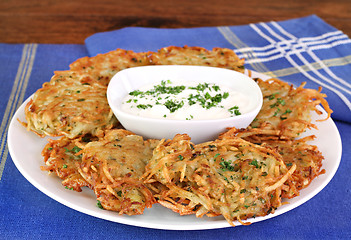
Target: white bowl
point(132, 79)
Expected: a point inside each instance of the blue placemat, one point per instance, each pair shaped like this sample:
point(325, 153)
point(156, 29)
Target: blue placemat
point(305, 49)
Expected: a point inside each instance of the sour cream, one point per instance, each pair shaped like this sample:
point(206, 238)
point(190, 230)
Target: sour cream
point(186, 100)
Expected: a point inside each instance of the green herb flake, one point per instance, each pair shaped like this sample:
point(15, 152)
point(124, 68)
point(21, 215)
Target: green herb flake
point(76, 149)
point(254, 163)
point(135, 93)
point(144, 106)
point(234, 110)
point(226, 165)
point(173, 105)
point(98, 204)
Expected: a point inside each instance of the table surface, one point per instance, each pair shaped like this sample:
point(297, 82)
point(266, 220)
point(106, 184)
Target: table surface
point(52, 21)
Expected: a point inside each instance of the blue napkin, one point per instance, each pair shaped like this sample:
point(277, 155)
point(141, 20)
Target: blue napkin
point(299, 50)
point(27, 213)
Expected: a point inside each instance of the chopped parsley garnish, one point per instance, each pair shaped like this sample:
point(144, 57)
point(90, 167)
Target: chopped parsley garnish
point(173, 105)
point(144, 106)
point(272, 96)
point(135, 93)
point(243, 191)
point(200, 87)
point(226, 165)
point(234, 110)
point(254, 163)
point(283, 117)
point(276, 112)
point(190, 117)
point(206, 95)
point(76, 149)
point(99, 205)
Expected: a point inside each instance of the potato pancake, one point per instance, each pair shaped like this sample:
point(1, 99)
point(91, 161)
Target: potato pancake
point(62, 157)
point(307, 158)
point(218, 57)
point(113, 166)
point(103, 67)
point(70, 104)
point(286, 108)
point(229, 177)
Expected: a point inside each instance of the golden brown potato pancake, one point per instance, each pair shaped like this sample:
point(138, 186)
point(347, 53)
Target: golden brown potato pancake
point(229, 177)
point(113, 166)
point(218, 57)
point(72, 105)
point(61, 157)
point(307, 158)
point(103, 67)
point(286, 108)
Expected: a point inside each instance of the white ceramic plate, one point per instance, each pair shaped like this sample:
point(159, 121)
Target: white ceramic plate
point(25, 149)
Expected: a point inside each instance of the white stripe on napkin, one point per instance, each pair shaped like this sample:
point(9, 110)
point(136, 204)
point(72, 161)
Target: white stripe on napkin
point(342, 61)
point(315, 58)
point(328, 40)
point(237, 43)
point(288, 57)
point(16, 97)
point(278, 50)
